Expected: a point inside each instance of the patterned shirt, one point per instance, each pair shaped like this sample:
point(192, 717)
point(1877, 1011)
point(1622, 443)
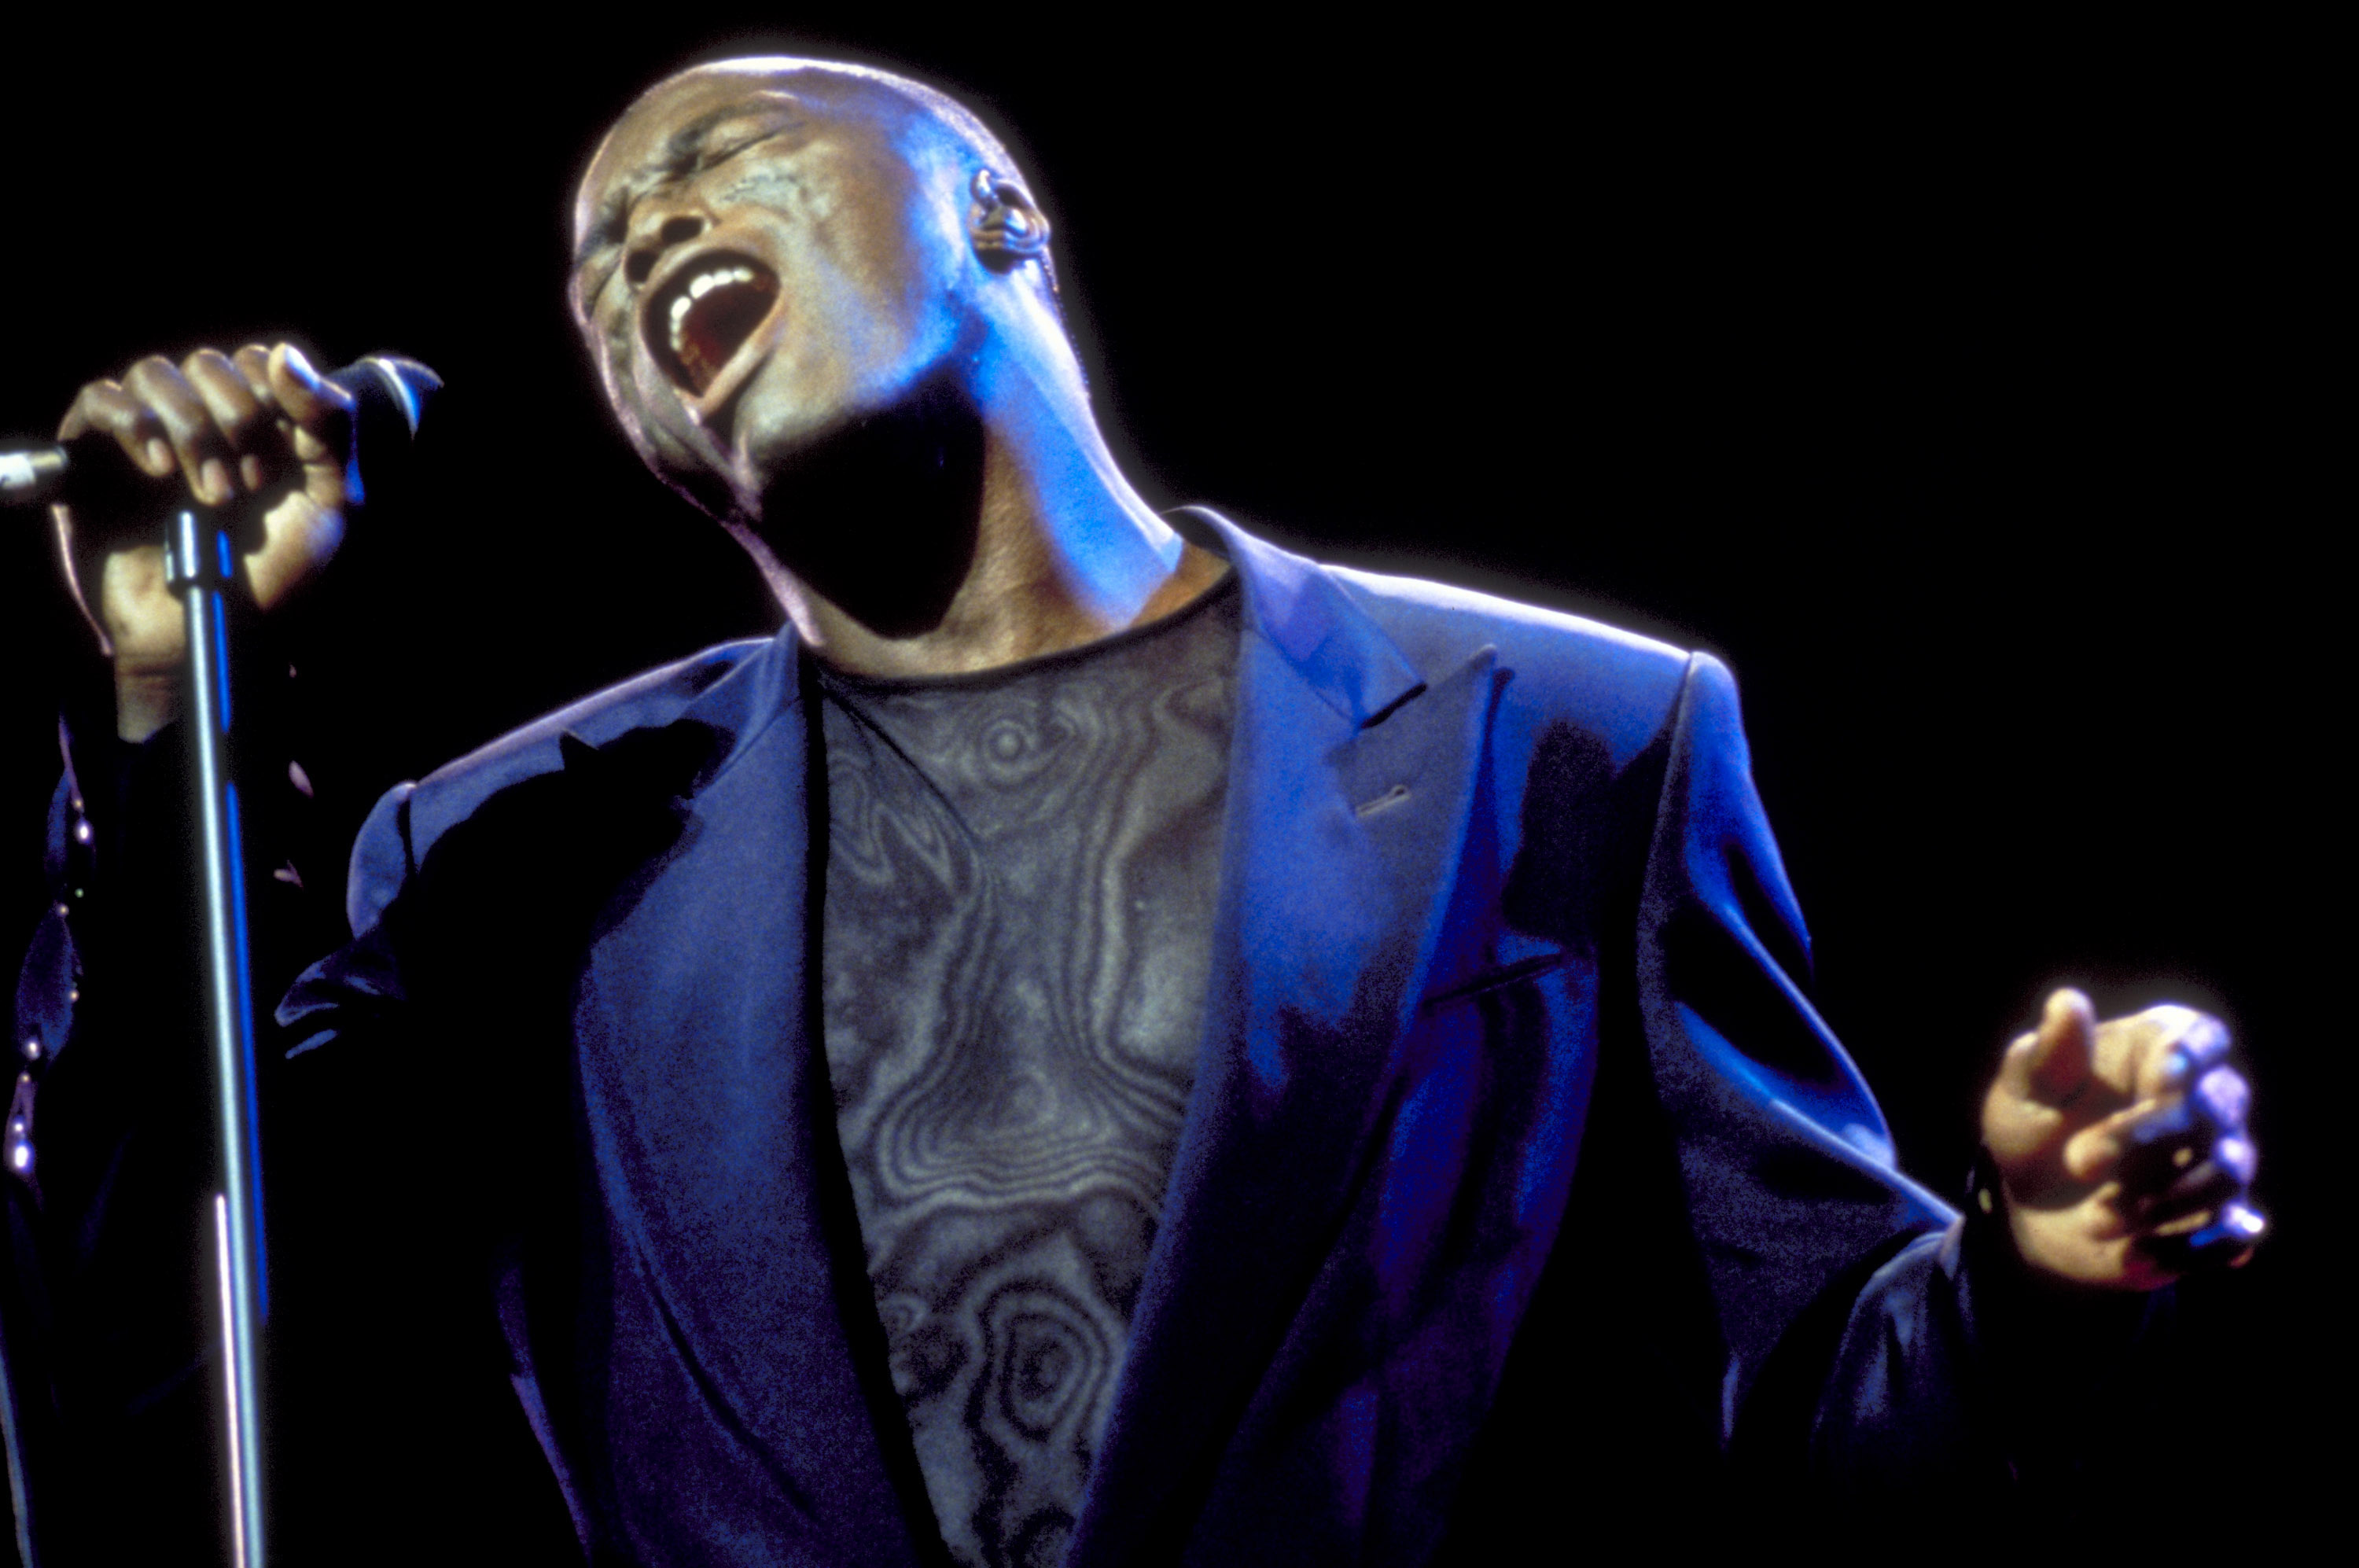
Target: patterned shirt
point(1021, 876)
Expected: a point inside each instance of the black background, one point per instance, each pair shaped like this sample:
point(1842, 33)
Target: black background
point(1962, 388)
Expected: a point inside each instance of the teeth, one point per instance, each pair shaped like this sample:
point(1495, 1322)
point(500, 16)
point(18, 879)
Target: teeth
point(703, 283)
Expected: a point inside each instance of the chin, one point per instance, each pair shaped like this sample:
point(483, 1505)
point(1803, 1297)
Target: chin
point(770, 428)
point(916, 459)
point(767, 441)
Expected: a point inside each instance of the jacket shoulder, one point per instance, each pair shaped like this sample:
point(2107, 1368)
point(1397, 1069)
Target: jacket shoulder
point(723, 684)
point(1622, 686)
point(648, 699)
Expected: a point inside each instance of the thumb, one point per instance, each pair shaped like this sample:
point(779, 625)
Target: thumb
point(2064, 1048)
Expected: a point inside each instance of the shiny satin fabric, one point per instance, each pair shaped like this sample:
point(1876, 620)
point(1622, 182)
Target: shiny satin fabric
point(1471, 849)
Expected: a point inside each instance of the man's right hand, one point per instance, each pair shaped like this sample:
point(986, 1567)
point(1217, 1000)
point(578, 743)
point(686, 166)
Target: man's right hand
point(227, 426)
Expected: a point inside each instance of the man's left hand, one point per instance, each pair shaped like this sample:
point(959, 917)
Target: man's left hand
point(2121, 1146)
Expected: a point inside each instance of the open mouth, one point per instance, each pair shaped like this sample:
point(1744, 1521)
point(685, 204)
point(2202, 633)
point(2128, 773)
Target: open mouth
point(705, 314)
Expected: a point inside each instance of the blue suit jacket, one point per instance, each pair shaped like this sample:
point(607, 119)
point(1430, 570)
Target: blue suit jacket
point(1471, 850)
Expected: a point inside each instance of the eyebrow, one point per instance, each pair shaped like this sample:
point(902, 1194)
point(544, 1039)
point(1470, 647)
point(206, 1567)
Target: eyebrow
point(680, 153)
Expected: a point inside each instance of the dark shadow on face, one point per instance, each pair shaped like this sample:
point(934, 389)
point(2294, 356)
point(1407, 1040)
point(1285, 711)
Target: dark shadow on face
point(881, 516)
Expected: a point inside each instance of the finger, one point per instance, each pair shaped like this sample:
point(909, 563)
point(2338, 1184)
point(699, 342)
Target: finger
point(253, 363)
point(2104, 1149)
point(2146, 1146)
point(2226, 1243)
point(236, 412)
point(2063, 1048)
point(2215, 1106)
point(2240, 1229)
point(2091, 1154)
point(187, 426)
point(2197, 1184)
point(2139, 1146)
point(2176, 1046)
point(2221, 1098)
point(105, 407)
point(304, 394)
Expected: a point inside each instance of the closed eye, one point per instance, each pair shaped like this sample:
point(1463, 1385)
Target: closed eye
point(614, 224)
point(708, 142)
point(714, 142)
point(726, 149)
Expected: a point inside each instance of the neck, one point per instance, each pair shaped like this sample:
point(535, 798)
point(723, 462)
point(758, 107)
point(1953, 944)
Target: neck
point(983, 523)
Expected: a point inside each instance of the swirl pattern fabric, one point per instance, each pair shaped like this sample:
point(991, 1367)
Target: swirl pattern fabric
point(1021, 877)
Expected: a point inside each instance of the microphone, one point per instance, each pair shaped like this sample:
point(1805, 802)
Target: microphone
point(89, 468)
point(32, 475)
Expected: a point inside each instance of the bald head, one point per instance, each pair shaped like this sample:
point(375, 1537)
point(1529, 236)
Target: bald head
point(770, 248)
point(819, 298)
point(654, 140)
point(837, 83)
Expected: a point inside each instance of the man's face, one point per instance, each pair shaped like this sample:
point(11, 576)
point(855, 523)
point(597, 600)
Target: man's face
point(764, 256)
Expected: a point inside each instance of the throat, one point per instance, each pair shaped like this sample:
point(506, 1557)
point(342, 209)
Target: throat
point(881, 520)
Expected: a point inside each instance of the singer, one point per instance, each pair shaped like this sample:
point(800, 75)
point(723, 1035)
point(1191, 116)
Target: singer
point(1104, 1041)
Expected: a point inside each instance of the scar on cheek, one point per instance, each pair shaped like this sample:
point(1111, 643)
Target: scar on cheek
point(771, 188)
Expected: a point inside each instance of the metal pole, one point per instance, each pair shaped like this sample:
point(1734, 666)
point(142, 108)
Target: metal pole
point(200, 565)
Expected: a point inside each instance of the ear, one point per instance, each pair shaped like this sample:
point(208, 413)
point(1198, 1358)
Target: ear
point(1005, 229)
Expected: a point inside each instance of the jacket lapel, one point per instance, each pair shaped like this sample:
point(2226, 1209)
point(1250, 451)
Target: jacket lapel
point(1350, 781)
point(731, 1366)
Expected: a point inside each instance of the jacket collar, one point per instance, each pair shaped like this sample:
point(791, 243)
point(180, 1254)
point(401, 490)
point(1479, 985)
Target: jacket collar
point(1329, 644)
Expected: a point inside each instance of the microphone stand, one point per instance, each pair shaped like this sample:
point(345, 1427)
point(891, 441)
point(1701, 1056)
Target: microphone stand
point(200, 568)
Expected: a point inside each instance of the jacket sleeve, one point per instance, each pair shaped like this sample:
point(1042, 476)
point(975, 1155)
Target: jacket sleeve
point(1881, 1347)
point(1784, 1159)
point(359, 984)
point(1958, 1381)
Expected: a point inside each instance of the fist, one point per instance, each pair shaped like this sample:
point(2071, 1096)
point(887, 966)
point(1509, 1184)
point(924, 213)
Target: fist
point(2121, 1146)
point(219, 427)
